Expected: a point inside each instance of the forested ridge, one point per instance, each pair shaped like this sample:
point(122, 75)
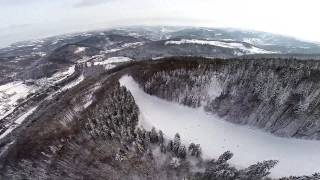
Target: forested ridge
point(279, 96)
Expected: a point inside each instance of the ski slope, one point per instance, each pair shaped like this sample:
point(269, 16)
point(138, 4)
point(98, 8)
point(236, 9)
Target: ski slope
point(249, 145)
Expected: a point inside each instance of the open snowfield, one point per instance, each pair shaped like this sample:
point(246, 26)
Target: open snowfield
point(249, 145)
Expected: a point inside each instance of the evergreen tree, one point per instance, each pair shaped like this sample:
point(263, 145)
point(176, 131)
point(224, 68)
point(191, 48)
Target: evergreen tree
point(176, 143)
point(161, 139)
point(163, 148)
point(194, 150)
point(225, 157)
point(154, 136)
point(191, 148)
point(147, 140)
point(182, 152)
point(198, 152)
point(259, 170)
point(170, 146)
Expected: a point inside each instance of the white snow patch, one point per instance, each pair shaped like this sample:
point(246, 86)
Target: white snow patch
point(87, 104)
point(79, 50)
point(254, 41)
point(8, 131)
point(111, 50)
point(89, 64)
point(214, 89)
point(73, 83)
point(88, 99)
point(156, 58)
point(134, 34)
point(113, 60)
point(84, 59)
point(124, 46)
point(25, 115)
point(18, 122)
point(109, 66)
point(296, 156)
point(42, 54)
point(55, 78)
point(4, 149)
point(232, 45)
point(135, 44)
point(11, 93)
point(62, 75)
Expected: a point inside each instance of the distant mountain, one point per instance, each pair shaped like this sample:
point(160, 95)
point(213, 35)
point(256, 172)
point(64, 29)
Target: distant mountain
point(267, 41)
point(46, 56)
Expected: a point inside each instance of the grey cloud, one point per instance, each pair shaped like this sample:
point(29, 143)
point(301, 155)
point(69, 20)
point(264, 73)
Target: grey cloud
point(85, 3)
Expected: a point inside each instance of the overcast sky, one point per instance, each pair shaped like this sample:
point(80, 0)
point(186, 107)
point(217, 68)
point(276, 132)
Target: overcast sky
point(27, 19)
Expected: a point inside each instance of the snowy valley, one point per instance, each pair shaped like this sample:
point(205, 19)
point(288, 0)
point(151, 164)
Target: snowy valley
point(217, 136)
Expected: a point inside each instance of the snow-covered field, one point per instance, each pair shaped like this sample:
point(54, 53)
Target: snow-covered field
point(124, 46)
point(11, 93)
point(249, 145)
point(112, 60)
point(55, 78)
point(231, 45)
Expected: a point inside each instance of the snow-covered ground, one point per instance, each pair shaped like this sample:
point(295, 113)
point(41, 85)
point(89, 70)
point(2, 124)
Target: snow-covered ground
point(124, 46)
point(109, 63)
point(112, 60)
point(79, 50)
point(17, 122)
point(55, 78)
point(249, 145)
point(59, 76)
point(231, 45)
point(11, 93)
point(73, 83)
